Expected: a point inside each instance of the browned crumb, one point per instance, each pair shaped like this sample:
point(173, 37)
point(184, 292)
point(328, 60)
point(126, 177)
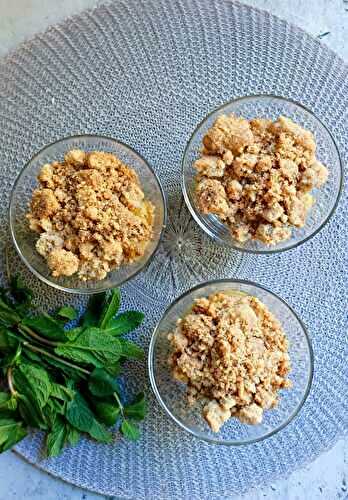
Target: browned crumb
point(256, 176)
point(91, 214)
point(232, 351)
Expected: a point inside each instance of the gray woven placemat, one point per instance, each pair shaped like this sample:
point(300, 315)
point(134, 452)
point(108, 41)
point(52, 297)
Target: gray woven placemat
point(146, 72)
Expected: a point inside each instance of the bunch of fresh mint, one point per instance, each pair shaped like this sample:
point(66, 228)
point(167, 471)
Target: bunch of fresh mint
point(63, 381)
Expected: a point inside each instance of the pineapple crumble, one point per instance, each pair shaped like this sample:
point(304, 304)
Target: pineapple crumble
point(231, 352)
point(91, 214)
point(256, 176)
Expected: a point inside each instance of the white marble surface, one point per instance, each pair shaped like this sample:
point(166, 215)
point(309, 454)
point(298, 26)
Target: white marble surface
point(327, 477)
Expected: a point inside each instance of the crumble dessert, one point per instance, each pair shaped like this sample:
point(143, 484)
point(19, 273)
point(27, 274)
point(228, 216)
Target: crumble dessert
point(91, 214)
point(256, 176)
point(231, 351)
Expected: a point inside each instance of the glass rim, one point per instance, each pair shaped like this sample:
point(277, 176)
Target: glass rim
point(177, 421)
point(200, 221)
point(85, 291)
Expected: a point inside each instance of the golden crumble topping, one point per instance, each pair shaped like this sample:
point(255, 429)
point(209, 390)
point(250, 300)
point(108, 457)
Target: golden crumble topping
point(91, 214)
point(256, 176)
point(231, 351)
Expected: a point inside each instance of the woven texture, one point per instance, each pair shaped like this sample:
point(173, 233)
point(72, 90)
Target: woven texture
point(146, 72)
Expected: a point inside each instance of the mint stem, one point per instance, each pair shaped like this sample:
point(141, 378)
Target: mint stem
point(119, 403)
point(10, 382)
point(34, 335)
point(52, 356)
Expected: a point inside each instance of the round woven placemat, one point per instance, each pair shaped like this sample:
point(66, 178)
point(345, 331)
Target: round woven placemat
point(146, 72)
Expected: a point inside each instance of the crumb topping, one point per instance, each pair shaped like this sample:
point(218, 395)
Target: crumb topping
point(256, 176)
point(231, 351)
point(91, 214)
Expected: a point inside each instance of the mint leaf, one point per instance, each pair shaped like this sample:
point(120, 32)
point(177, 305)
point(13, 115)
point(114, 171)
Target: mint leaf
point(107, 413)
point(78, 355)
point(124, 323)
point(32, 356)
point(114, 369)
point(8, 340)
point(61, 368)
point(8, 316)
point(46, 326)
point(30, 413)
point(67, 313)
point(110, 309)
point(94, 309)
point(101, 384)
point(4, 397)
point(57, 406)
point(7, 401)
point(56, 438)
point(72, 334)
point(72, 435)
point(33, 388)
point(22, 295)
point(99, 433)
point(80, 416)
point(33, 378)
point(62, 392)
point(138, 409)
point(92, 346)
point(131, 350)
point(51, 411)
point(12, 358)
point(11, 432)
point(130, 430)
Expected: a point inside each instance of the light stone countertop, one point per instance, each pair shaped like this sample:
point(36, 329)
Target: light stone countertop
point(327, 477)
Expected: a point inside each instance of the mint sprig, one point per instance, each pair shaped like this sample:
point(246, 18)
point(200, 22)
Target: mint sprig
point(63, 381)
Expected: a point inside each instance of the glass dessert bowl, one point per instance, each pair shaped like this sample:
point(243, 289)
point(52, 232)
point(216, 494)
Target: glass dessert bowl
point(172, 394)
point(25, 239)
point(325, 197)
